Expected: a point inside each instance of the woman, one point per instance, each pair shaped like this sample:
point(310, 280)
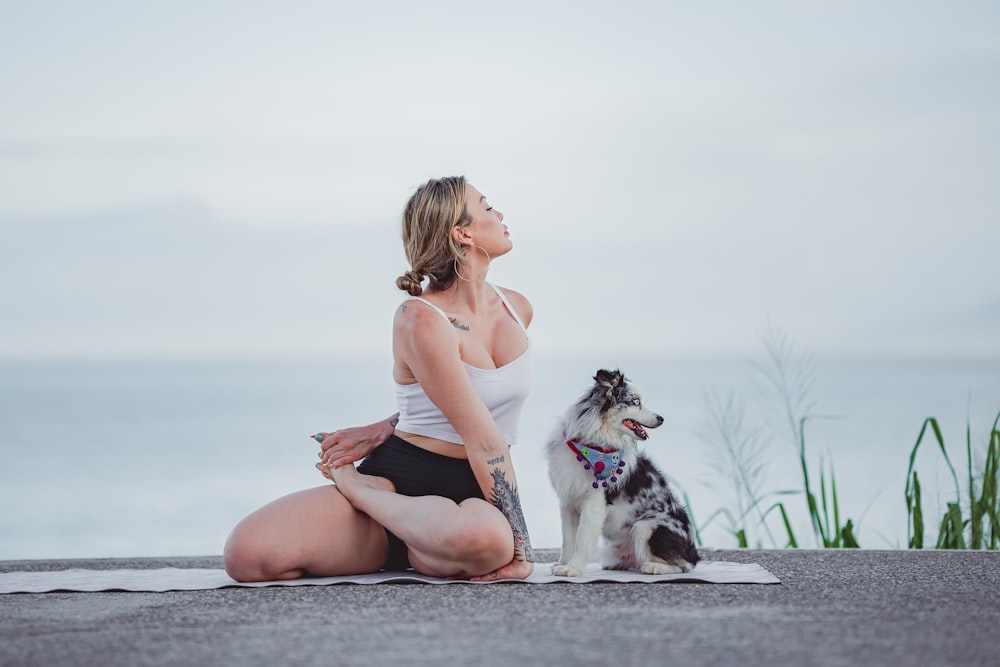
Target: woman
point(436, 490)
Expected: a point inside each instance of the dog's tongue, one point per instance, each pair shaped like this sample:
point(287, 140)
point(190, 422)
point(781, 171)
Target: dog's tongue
point(636, 428)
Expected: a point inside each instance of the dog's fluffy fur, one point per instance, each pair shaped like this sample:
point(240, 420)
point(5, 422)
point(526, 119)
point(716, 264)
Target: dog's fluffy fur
point(646, 529)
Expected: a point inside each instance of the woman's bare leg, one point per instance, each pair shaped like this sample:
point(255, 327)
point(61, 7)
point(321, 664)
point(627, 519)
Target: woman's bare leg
point(316, 531)
point(444, 539)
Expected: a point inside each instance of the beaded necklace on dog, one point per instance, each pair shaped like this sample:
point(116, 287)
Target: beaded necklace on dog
point(606, 463)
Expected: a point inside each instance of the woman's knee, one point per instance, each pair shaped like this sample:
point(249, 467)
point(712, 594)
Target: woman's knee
point(254, 552)
point(238, 557)
point(487, 535)
point(243, 556)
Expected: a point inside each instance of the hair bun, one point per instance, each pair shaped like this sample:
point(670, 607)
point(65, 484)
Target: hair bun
point(410, 282)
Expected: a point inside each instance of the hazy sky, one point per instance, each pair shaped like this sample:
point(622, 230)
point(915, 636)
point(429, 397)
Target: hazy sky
point(225, 178)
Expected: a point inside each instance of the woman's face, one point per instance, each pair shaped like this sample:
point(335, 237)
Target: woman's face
point(486, 229)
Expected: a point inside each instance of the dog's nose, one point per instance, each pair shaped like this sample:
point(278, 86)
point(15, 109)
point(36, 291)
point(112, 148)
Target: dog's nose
point(659, 420)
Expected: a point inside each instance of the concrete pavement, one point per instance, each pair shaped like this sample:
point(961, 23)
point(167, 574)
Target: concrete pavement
point(832, 608)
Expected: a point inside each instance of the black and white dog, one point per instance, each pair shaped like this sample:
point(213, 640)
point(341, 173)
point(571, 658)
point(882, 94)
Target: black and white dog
point(605, 486)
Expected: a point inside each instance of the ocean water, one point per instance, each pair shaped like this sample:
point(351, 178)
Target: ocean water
point(163, 458)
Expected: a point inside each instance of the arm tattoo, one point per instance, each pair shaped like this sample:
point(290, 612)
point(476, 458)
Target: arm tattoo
point(504, 497)
point(394, 420)
point(454, 323)
point(497, 461)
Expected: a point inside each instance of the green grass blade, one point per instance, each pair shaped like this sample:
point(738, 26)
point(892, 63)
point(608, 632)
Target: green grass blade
point(810, 499)
point(948, 525)
point(992, 476)
point(975, 507)
point(814, 515)
point(818, 530)
point(828, 537)
point(792, 542)
point(991, 482)
point(741, 538)
point(913, 508)
point(944, 533)
point(933, 423)
point(913, 452)
point(915, 512)
point(947, 459)
point(848, 540)
point(951, 535)
point(836, 509)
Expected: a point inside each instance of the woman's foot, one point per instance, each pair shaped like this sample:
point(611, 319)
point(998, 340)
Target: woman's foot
point(347, 477)
point(325, 471)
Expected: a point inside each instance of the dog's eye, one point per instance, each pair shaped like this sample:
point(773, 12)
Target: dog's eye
point(636, 401)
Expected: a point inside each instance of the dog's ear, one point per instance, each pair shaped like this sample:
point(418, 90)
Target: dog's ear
point(609, 379)
point(605, 387)
point(608, 383)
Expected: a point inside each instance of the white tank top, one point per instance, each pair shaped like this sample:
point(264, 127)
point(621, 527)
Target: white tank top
point(503, 391)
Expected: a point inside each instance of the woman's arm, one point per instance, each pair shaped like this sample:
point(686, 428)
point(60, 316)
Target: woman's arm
point(425, 343)
point(353, 444)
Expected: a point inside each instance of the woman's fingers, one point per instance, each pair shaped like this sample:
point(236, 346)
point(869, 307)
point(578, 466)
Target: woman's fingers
point(324, 439)
point(335, 451)
point(347, 445)
point(327, 440)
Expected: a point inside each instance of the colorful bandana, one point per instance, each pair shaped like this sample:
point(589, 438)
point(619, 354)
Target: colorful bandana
point(606, 463)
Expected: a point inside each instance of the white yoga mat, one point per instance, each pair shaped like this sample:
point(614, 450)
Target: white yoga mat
point(194, 579)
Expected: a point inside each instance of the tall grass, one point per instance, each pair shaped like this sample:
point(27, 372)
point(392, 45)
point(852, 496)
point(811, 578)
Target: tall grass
point(826, 525)
point(741, 452)
point(741, 458)
point(981, 530)
point(791, 377)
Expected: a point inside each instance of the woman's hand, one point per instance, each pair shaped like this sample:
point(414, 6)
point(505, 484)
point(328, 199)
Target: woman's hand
point(348, 445)
point(516, 569)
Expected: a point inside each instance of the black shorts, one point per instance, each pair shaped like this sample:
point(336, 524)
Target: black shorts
point(418, 472)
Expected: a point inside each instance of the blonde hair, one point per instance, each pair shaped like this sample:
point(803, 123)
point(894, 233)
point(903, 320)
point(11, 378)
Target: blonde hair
point(437, 207)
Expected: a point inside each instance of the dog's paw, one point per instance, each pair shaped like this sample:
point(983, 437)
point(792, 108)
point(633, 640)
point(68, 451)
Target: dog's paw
point(566, 571)
point(663, 568)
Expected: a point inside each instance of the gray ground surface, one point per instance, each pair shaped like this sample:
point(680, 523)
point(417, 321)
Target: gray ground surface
point(833, 608)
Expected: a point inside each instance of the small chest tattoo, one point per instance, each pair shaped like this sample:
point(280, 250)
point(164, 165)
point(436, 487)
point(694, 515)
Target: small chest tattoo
point(460, 327)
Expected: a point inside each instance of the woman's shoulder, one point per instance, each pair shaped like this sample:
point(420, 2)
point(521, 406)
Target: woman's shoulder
point(419, 326)
point(520, 303)
point(418, 309)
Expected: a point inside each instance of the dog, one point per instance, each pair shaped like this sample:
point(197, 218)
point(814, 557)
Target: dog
point(606, 487)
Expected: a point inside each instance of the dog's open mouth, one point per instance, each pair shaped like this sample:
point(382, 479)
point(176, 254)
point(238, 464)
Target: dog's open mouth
point(636, 428)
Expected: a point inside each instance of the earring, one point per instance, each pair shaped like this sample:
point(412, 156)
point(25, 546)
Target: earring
point(488, 258)
point(465, 251)
point(459, 273)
